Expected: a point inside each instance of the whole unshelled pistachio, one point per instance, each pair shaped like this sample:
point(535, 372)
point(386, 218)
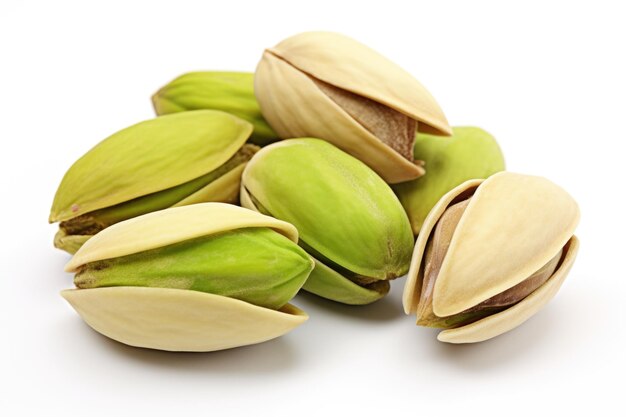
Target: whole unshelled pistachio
point(232, 92)
point(490, 254)
point(204, 277)
point(348, 218)
point(470, 153)
point(173, 160)
point(329, 86)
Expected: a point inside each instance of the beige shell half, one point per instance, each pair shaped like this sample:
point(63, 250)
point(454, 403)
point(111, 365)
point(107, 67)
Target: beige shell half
point(179, 320)
point(174, 319)
point(296, 107)
point(513, 225)
point(169, 226)
point(345, 63)
point(506, 320)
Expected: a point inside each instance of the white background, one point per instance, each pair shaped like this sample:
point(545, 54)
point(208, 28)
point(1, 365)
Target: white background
point(547, 79)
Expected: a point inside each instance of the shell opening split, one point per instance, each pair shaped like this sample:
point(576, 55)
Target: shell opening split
point(391, 127)
point(436, 250)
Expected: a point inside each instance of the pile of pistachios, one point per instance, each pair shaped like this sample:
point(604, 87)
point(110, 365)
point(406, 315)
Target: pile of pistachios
point(329, 170)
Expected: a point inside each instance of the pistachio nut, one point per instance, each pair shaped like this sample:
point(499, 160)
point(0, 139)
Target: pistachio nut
point(329, 86)
point(469, 153)
point(173, 160)
point(349, 220)
point(490, 254)
point(232, 92)
point(203, 277)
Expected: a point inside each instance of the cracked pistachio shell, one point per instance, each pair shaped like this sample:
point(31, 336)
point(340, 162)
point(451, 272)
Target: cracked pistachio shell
point(348, 218)
point(469, 153)
point(513, 225)
point(294, 79)
point(180, 319)
point(172, 160)
point(232, 92)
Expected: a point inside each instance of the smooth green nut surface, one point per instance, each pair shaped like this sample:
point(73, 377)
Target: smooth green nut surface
point(232, 92)
point(256, 265)
point(172, 160)
point(348, 218)
point(470, 153)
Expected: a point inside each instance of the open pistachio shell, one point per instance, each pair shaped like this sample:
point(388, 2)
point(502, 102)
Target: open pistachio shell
point(512, 227)
point(173, 225)
point(172, 160)
point(348, 218)
point(173, 318)
point(159, 153)
point(522, 220)
point(232, 92)
point(179, 320)
point(329, 86)
point(469, 153)
point(512, 317)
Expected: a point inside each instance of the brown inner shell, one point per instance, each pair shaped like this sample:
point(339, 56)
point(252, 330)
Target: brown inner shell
point(391, 127)
point(436, 250)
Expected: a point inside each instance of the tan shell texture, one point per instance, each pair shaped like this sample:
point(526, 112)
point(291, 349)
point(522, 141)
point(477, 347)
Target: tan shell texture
point(174, 319)
point(512, 317)
point(287, 88)
point(179, 320)
point(174, 225)
point(519, 220)
point(340, 62)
